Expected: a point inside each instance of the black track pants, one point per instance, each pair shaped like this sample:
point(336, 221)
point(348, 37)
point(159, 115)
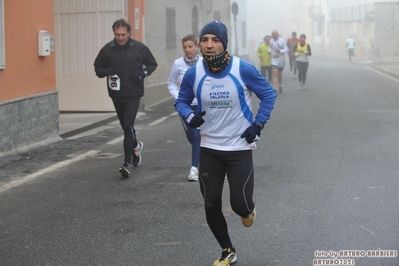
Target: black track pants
point(127, 112)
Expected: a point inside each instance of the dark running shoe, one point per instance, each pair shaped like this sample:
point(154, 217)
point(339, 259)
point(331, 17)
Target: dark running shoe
point(125, 169)
point(228, 257)
point(136, 160)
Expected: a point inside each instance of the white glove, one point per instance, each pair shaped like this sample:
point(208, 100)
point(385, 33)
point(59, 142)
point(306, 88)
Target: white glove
point(296, 54)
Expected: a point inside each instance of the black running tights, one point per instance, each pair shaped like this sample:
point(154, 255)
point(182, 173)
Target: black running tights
point(214, 167)
point(302, 70)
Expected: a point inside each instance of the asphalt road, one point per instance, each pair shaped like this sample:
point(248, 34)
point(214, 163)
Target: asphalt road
point(326, 180)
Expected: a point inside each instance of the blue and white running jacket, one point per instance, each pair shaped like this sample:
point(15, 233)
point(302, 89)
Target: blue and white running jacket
point(226, 97)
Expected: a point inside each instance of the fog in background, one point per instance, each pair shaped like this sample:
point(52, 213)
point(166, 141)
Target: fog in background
point(327, 24)
point(264, 17)
point(340, 3)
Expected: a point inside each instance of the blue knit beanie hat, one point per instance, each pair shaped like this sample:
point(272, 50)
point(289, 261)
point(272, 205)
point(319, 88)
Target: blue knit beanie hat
point(218, 29)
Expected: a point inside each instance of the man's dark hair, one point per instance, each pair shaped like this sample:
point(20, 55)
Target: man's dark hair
point(122, 23)
point(293, 33)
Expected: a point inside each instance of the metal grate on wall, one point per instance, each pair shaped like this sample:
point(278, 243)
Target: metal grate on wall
point(364, 12)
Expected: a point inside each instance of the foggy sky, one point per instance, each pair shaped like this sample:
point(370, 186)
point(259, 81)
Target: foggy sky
point(266, 15)
point(263, 17)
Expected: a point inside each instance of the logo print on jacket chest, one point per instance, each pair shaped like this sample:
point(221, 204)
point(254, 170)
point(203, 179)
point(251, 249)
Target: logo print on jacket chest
point(219, 95)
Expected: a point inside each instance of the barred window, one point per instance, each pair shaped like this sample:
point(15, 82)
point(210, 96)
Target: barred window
point(170, 28)
point(195, 20)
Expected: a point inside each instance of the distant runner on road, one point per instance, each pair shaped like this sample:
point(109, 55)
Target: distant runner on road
point(278, 48)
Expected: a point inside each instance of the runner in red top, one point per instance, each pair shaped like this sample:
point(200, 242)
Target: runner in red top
point(291, 43)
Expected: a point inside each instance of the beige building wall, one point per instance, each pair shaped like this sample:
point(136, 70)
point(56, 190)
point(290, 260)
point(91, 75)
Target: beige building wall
point(296, 18)
point(82, 28)
point(189, 17)
point(156, 31)
point(379, 28)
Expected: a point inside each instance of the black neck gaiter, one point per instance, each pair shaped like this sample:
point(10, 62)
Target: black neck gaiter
point(216, 63)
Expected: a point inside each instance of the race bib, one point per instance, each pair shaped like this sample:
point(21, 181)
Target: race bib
point(276, 56)
point(114, 82)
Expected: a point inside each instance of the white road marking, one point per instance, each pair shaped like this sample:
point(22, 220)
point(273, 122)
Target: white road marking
point(77, 158)
point(49, 169)
point(383, 74)
point(115, 141)
point(154, 104)
point(162, 119)
point(154, 123)
point(371, 232)
point(158, 121)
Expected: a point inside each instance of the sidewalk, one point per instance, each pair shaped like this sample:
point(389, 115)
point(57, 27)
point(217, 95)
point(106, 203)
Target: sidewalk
point(76, 125)
point(387, 67)
point(390, 68)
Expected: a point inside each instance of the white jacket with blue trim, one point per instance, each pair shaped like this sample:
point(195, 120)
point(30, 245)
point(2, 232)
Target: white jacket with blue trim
point(226, 97)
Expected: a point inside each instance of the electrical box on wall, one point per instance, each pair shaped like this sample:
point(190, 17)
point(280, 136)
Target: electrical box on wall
point(44, 43)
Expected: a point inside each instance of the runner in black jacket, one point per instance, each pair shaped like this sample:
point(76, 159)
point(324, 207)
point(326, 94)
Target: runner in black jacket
point(126, 62)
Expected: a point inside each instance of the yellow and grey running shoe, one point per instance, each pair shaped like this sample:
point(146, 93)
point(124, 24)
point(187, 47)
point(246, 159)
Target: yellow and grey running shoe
point(228, 257)
point(249, 220)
